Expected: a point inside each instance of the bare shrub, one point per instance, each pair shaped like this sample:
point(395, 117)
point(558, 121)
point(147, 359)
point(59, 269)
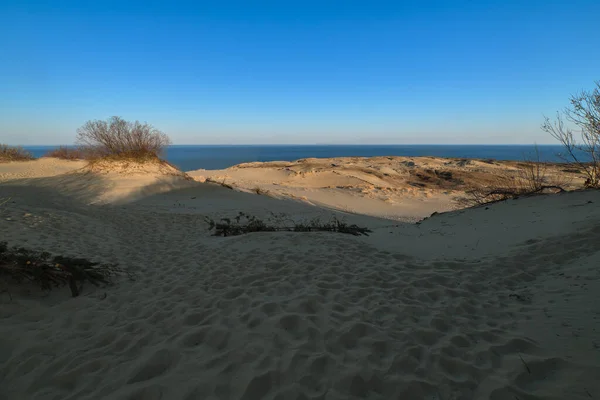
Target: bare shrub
point(505, 187)
point(67, 153)
point(12, 153)
point(244, 223)
point(530, 178)
point(532, 175)
point(120, 139)
point(584, 115)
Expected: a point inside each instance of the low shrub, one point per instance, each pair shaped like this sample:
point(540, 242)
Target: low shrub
point(12, 153)
point(244, 223)
point(118, 139)
point(67, 153)
point(22, 265)
point(530, 178)
point(505, 187)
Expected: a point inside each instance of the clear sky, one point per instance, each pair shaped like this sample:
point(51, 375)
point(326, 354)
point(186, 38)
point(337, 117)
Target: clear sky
point(302, 72)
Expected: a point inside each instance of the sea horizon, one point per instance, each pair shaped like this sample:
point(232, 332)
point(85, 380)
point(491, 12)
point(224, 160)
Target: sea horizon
point(220, 156)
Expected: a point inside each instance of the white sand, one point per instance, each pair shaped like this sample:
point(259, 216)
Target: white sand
point(498, 303)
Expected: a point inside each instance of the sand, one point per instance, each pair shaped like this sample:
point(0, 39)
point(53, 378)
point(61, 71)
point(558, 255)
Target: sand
point(400, 188)
point(488, 303)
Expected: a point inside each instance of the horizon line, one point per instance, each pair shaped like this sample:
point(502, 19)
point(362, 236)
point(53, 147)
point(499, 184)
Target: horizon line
point(322, 144)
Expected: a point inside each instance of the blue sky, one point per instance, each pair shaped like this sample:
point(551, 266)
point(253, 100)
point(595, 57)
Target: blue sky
point(303, 72)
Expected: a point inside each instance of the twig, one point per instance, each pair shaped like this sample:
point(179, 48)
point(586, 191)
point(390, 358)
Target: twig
point(525, 364)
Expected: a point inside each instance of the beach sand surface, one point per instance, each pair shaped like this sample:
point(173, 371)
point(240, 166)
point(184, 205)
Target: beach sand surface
point(497, 302)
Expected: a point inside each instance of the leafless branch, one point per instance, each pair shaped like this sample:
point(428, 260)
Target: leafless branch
point(584, 115)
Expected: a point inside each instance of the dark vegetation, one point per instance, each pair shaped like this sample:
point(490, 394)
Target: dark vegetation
point(67, 153)
point(118, 139)
point(244, 223)
point(14, 153)
point(439, 178)
point(115, 139)
point(21, 265)
point(530, 178)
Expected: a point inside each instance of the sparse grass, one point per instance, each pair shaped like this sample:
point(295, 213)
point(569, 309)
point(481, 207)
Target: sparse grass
point(22, 265)
point(68, 153)
point(244, 223)
point(12, 153)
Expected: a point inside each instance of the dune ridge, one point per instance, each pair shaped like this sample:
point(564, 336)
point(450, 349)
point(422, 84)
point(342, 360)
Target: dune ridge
point(400, 188)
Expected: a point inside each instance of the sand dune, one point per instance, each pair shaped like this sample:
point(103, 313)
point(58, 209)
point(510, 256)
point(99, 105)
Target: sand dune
point(42, 167)
point(98, 183)
point(488, 303)
point(400, 188)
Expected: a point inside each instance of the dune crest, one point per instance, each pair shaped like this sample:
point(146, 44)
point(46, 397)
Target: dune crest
point(400, 188)
point(153, 167)
point(128, 181)
point(98, 182)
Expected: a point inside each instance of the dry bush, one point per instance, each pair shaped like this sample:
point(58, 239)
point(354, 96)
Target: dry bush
point(584, 116)
point(244, 223)
point(532, 177)
point(22, 265)
point(116, 138)
point(527, 181)
point(67, 153)
point(12, 153)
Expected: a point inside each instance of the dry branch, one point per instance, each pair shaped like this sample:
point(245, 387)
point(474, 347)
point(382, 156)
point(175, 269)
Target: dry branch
point(577, 128)
point(22, 265)
point(244, 223)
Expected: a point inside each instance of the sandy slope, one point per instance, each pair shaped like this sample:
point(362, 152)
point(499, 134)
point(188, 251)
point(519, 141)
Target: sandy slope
point(42, 167)
point(99, 183)
point(498, 303)
point(400, 188)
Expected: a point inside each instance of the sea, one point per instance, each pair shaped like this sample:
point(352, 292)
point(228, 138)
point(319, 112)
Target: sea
point(192, 157)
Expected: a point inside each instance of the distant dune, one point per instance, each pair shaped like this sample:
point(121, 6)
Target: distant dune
point(401, 188)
